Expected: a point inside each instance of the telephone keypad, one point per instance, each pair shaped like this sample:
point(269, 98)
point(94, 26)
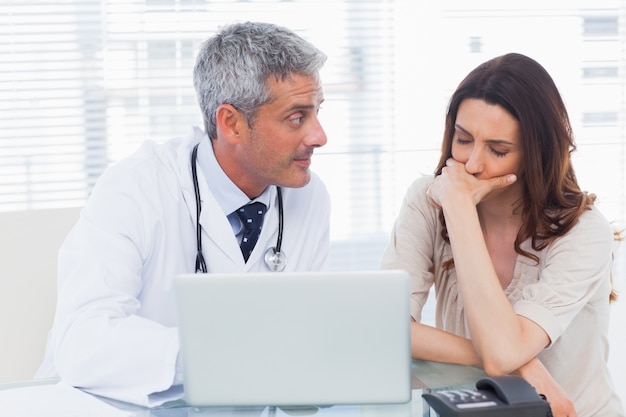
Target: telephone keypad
point(507, 395)
point(467, 398)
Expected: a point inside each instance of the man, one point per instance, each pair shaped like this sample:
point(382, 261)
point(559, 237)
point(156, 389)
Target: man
point(115, 330)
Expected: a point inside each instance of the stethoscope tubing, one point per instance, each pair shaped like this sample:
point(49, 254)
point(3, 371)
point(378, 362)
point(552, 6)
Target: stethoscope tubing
point(200, 262)
point(274, 258)
point(279, 239)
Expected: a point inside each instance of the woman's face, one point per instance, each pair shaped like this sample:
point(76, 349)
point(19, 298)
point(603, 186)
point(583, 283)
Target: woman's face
point(486, 139)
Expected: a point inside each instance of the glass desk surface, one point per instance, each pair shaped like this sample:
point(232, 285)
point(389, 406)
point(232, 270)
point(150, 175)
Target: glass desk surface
point(48, 398)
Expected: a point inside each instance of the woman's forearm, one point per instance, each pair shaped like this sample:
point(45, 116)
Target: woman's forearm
point(431, 344)
point(502, 339)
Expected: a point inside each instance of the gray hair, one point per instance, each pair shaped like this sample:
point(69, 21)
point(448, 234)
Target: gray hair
point(233, 66)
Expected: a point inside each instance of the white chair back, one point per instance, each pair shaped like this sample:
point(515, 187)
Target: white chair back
point(29, 244)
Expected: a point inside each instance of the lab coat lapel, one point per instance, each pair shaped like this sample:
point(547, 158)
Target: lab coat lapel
point(183, 163)
point(216, 229)
point(217, 234)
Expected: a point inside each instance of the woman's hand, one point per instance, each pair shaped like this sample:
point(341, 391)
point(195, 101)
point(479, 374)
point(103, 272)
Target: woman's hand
point(538, 376)
point(456, 183)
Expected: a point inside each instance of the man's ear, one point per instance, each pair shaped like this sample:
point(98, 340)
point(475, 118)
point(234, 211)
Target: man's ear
point(230, 123)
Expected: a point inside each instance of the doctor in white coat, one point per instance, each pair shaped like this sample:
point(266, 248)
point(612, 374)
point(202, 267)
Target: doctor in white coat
point(115, 331)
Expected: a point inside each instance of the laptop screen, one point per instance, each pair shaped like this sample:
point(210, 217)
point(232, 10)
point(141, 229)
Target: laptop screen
point(295, 338)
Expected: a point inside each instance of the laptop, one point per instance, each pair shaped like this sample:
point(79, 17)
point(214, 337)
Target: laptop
point(295, 338)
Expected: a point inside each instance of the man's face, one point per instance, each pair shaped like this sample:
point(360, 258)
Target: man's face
point(277, 148)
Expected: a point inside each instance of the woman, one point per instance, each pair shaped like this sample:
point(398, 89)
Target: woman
point(519, 256)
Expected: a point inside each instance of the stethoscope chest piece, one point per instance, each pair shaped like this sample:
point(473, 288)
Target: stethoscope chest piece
point(275, 260)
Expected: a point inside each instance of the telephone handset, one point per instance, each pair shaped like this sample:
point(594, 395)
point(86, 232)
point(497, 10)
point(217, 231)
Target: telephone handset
point(509, 396)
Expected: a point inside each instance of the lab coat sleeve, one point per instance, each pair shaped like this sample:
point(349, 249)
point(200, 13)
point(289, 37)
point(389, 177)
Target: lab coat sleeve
point(102, 343)
point(306, 239)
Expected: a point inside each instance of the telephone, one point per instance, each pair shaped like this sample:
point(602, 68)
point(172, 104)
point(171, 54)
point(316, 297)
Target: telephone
point(509, 396)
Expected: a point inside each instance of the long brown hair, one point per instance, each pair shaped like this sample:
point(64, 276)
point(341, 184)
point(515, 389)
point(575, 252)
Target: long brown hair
point(553, 199)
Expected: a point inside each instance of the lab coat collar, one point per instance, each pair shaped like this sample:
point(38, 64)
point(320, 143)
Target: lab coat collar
point(213, 220)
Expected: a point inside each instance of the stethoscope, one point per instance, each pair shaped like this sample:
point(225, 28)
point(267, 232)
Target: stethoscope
point(274, 258)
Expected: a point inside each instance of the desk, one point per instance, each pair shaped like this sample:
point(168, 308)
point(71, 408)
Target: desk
point(48, 398)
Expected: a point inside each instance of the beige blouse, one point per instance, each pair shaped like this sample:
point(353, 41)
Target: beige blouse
point(566, 293)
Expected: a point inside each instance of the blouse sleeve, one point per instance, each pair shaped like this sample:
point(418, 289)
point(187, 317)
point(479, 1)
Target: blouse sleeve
point(411, 243)
point(573, 271)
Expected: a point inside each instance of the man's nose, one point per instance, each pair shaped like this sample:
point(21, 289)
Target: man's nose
point(317, 136)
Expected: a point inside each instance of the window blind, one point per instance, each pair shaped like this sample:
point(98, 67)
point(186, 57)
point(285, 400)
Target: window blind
point(84, 82)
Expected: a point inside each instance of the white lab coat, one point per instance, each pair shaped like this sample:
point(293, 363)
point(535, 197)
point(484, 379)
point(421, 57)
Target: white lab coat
point(114, 332)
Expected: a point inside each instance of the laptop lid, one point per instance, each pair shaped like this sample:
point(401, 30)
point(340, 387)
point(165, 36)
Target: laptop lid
point(295, 338)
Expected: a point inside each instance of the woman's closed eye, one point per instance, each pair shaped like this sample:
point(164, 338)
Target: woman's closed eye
point(497, 152)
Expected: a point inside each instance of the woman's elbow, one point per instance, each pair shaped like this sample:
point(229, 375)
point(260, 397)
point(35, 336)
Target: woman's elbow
point(497, 366)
